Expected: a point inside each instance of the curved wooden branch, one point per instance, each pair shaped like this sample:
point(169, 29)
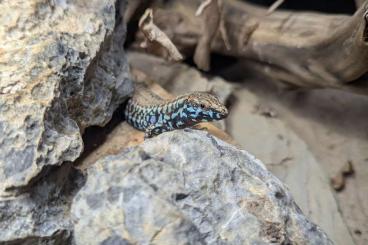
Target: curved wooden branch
point(304, 49)
point(359, 3)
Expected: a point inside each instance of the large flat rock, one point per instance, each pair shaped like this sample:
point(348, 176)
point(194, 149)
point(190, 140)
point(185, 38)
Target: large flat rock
point(187, 187)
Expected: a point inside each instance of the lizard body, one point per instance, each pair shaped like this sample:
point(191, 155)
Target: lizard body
point(181, 112)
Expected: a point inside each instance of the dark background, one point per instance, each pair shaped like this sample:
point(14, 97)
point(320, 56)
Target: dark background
point(329, 6)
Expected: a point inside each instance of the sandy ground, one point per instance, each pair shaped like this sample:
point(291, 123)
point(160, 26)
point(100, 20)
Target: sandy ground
point(305, 138)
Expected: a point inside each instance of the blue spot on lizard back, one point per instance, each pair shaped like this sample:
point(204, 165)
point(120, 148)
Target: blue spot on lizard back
point(152, 119)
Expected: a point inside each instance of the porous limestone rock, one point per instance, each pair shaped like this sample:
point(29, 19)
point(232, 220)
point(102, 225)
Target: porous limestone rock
point(62, 68)
point(187, 187)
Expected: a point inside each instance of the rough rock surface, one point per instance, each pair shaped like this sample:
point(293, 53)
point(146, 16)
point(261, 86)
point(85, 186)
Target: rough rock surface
point(187, 187)
point(259, 123)
point(41, 216)
point(62, 68)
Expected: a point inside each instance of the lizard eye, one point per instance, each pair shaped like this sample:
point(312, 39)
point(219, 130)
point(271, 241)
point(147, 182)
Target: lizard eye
point(202, 106)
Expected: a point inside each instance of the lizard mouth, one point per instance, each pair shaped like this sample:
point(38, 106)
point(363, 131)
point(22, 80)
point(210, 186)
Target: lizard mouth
point(223, 113)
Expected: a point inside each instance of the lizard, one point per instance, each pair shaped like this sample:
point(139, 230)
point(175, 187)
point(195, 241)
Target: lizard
point(147, 112)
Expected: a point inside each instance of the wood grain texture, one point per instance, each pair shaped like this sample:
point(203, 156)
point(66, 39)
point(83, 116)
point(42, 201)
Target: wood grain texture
point(305, 49)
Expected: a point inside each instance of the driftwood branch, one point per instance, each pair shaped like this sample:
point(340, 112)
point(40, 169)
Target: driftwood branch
point(210, 13)
point(274, 6)
point(359, 3)
point(305, 49)
point(155, 38)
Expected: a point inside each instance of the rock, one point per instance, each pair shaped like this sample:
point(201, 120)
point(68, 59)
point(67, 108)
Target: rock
point(62, 69)
point(41, 216)
point(288, 155)
point(187, 187)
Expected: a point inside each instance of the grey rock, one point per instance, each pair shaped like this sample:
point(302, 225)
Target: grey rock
point(62, 68)
point(187, 187)
point(286, 154)
point(41, 215)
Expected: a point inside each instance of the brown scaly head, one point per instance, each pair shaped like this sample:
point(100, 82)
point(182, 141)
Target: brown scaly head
point(203, 106)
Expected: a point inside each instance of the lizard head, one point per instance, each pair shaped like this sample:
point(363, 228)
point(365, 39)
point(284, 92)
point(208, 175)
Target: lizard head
point(203, 106)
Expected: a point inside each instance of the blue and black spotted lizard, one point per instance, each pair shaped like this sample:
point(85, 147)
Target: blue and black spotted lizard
point(154, 115)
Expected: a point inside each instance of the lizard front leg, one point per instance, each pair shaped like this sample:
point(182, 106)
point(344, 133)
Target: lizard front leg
point(153, 130)
point(200, 127)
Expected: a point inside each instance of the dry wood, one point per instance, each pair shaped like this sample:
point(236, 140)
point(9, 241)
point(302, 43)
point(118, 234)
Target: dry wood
point(305, 49)
point(359, 3)
point(274, 6)
point(157, 37)
point(339, 180)
point(131, 8)
point(210, 14)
